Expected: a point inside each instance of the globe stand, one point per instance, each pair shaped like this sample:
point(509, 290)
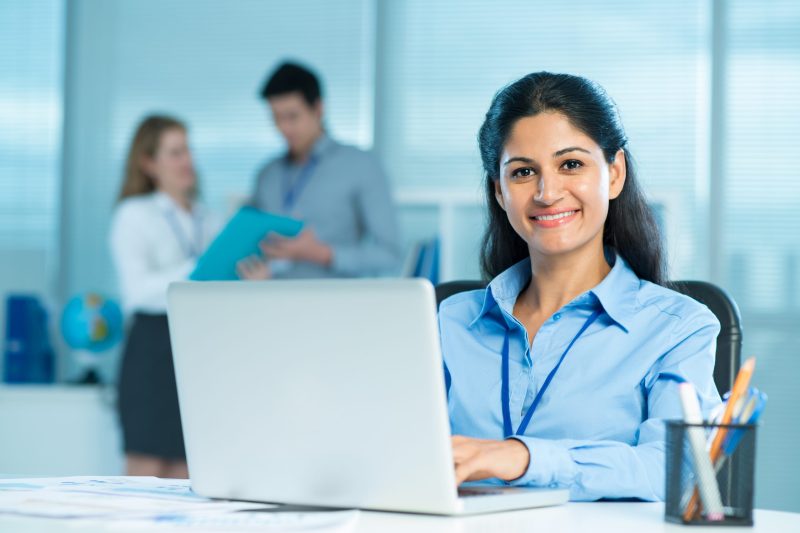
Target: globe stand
point(90, 377)
point(87, 361)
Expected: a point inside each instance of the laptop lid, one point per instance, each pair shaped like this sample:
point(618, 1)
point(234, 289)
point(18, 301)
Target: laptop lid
point(316, 392)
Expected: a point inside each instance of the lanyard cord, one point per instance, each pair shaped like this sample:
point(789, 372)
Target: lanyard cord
point(189, 249)
point(293, 188)
point(507, 428)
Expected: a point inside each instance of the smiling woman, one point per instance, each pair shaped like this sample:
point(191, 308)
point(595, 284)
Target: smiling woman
point(561, 372)
point(577, 110)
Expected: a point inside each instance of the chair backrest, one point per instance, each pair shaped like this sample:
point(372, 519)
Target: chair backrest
point(729, 340)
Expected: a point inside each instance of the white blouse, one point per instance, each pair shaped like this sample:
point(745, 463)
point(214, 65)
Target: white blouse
point(154, 242)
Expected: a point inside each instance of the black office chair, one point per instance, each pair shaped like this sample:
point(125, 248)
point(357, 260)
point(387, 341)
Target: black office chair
point(729, 340)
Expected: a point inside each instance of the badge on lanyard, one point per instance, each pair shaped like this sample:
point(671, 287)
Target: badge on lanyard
point(508, 430)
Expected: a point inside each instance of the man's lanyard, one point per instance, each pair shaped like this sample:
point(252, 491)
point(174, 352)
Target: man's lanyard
point(191, 250)
point(505, 397)
point(293, 187)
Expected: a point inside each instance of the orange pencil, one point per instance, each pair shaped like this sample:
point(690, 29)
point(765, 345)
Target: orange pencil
point(739, 388)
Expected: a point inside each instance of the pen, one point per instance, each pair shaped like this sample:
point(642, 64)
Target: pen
point(707, 481)
point(750, 414)
point(739, 388)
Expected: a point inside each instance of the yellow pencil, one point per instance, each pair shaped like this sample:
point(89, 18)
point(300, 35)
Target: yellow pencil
point(739, 389)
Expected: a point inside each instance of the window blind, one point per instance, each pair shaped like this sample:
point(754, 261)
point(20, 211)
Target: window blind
point(762, 223)
point(31, 62)
point(443, 61)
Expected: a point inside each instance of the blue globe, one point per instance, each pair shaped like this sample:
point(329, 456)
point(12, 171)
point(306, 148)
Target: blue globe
point(91, 322)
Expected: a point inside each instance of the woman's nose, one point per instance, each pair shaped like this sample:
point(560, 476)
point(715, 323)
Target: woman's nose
point(549, 188)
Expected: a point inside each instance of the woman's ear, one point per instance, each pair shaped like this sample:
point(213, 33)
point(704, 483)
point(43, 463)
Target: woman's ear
point(498, 194)
point(617, 172)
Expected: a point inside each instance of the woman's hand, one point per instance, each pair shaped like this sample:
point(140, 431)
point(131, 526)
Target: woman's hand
point(253, 268)
point(480, 459)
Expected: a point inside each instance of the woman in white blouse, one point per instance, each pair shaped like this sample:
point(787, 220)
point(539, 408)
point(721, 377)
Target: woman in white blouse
point(158, 232)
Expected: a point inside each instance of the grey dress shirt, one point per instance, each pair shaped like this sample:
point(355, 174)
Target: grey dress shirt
point(345, 199)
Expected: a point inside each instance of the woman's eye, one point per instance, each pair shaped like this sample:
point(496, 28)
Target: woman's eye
point(572, 164)
point(524, 172)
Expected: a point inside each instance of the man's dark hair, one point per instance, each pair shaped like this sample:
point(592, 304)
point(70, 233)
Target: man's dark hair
point(290, 78)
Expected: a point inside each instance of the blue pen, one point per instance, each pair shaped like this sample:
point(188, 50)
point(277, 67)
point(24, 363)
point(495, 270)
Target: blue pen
point(750, 413)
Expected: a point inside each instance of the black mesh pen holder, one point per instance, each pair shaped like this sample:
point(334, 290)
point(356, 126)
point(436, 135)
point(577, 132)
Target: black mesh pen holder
point(692, 490)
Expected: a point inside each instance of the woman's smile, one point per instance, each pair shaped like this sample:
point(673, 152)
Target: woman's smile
point(554, 218)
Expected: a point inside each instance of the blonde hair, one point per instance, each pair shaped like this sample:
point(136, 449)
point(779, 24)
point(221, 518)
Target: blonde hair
point(145, 144)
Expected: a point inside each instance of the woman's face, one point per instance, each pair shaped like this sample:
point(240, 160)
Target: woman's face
point(555, 184)
point(172, 166)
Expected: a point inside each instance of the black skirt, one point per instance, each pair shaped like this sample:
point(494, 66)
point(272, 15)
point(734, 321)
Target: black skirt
point(147, 395)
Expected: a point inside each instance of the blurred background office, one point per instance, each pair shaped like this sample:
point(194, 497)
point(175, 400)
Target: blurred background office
point(709, 91)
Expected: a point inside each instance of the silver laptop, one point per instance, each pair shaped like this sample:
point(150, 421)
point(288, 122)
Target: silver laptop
point(326, 393)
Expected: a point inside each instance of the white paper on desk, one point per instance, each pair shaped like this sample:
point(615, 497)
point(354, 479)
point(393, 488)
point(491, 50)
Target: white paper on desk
point(108, 497)
point(142, 485)
point(73, 505)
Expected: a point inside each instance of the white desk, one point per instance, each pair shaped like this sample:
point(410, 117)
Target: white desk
point(570, 518)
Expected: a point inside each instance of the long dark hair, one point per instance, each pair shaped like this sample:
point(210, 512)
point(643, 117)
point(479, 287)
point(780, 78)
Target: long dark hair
point(630, 227)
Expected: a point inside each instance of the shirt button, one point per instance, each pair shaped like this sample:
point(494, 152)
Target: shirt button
point(557, 316)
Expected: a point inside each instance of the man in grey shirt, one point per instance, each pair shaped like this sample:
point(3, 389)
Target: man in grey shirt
point(338, 191)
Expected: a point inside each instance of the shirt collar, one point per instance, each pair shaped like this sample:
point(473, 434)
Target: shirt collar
point(166, 204)
point(163, 201)
point(321, 145)
point(503, 290)
point(617, 293)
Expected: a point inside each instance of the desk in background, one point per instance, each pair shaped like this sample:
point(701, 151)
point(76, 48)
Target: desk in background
point(59, 430)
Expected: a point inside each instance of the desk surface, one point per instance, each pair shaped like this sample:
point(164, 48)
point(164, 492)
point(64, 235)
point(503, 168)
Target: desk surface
point(573, 517)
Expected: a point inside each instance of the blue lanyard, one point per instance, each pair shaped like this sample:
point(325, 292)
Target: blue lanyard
point(189, 249)
point(293, 188)
point(507, 429)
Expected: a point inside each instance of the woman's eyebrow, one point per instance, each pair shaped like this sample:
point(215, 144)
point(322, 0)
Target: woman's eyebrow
point(520, 159)
point(571, 149)
point(559, 153)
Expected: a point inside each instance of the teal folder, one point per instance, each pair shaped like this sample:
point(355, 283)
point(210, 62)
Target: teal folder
point(239, 239)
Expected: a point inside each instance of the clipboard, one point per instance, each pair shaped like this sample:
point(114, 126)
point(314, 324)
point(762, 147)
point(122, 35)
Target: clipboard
point(239, 239)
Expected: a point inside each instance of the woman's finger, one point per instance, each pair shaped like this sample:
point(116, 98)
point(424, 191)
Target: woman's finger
point(277, 251)
point(459, 455)
point(469, 470)
point(462, 471)
point(461, 452)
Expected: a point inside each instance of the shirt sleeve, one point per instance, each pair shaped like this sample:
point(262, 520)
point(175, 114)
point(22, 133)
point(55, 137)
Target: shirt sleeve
point(378, 251)
point(141, 285)
point(612, 469)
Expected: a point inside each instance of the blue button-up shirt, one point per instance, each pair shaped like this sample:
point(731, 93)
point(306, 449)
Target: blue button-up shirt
point(599, 428)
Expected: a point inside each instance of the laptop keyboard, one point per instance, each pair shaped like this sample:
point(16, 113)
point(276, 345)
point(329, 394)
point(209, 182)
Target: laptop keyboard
point(469, 492)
